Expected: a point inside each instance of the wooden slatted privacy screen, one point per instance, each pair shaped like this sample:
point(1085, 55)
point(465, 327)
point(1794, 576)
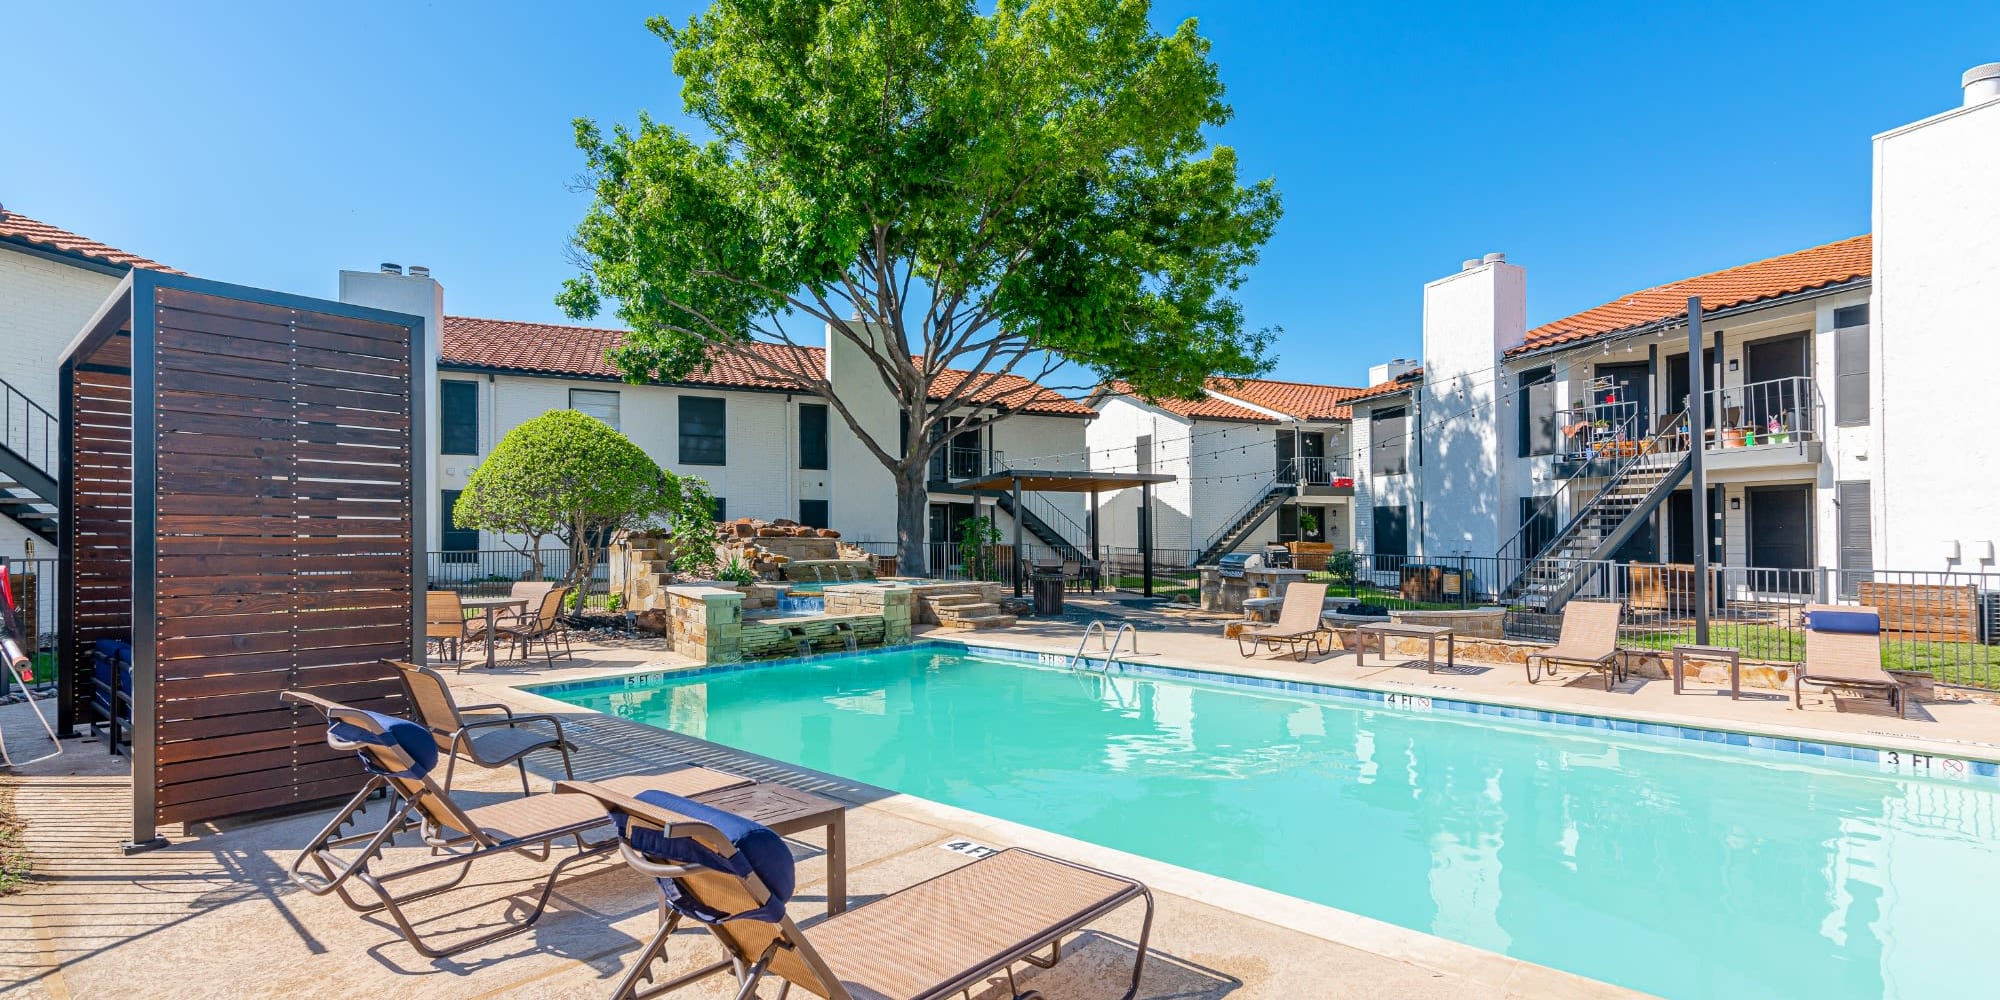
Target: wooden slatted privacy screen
point(97, 540)
point(275, 514)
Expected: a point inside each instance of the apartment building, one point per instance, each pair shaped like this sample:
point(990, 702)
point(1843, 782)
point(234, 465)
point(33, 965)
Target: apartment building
point(765, 449)
point(1254, 461)
point(1571, 438)
point(51, 283)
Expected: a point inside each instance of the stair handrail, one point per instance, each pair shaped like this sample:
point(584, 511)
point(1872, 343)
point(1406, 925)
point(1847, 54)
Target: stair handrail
point(1263, 494)
point(1067, 529)
point(1671, 437)
point(34, 417)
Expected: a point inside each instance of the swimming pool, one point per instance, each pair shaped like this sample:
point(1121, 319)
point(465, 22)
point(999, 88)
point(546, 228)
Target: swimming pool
point(1672, 861)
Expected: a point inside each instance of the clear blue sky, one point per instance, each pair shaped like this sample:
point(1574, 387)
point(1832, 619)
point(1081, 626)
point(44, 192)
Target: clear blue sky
point(1603, 146)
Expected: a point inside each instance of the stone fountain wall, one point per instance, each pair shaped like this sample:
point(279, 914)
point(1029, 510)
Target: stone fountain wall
point(706, 623)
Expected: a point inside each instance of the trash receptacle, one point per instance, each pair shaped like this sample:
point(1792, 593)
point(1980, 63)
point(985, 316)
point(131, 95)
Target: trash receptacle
point(1048, 587)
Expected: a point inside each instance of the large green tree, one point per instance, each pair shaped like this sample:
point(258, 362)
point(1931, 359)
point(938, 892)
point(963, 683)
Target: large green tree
point(570, 476)
point(937, 188)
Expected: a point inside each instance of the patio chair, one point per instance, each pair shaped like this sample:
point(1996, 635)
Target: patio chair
point(444, 623)
point(1072, 571)
point(1844, 650)
point(1298, 624)
point(545, 627)
point(531, 591)
point(496, 741)
point(1589, 639)
point(934, 939)
point(399, 755)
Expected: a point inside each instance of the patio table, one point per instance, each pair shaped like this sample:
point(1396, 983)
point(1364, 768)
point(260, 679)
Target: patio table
point(788, 811)
point(1429, 633)
point(491, 605)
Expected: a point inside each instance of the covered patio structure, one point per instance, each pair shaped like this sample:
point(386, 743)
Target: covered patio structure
point(1018, 481)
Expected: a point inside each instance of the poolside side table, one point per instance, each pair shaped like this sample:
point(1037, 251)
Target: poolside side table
point(788, 811)
point(1430, 633)
point(1682, 654)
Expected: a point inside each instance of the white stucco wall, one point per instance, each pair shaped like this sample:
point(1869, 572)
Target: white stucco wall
point(422, 297)
point(43, 305)
point(1110, 440)
point(1936, 300)
point(1470, 318)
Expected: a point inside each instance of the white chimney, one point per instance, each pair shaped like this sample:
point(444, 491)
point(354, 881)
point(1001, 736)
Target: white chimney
point(1378, 374)
point(1981, 83)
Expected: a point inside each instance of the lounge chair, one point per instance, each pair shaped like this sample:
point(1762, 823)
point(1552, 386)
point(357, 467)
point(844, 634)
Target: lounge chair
point(1298, 624)
point(444, 623)
point(1844, 650)
point(399, 755)
point(545, 627)
point(1589, 639)
point(495, 741)
point(934, 939)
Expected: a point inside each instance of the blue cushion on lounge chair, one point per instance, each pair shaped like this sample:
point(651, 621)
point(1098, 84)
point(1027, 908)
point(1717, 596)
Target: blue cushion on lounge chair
point(759, 851)
point(1845, 622)
point(411, 738)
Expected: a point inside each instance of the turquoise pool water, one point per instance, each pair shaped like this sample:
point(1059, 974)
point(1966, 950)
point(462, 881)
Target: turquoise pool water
point(1678, 868)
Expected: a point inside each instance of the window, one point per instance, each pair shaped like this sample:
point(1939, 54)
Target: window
point(454, 538)
point(812, 437)
point(1142, 451)
point(599, 403)
point(1389, 441)
point(704, 437)
point(813, 514)
point(721, 508)
point(1392, 531)
point(1850, 366)
point(1537, 404)
point(458, 417)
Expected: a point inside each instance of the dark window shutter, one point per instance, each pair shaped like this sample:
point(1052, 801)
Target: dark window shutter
point(1850, 365)
point(458, 417)
point(1538, 412)
point(1857, 534)
point(812, 437)
point(704, 431)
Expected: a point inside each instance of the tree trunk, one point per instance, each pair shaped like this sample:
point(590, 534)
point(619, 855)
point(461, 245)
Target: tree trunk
point(912, 509)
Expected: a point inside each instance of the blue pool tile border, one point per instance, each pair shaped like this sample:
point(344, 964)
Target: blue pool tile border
point(1986, 770)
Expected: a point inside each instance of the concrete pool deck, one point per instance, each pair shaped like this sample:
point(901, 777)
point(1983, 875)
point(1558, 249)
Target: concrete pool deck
point(214, 915)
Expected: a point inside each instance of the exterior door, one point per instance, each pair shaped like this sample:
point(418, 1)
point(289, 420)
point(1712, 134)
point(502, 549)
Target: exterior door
point(1780, 524)
point(1773, 370)
point(1680, 527)
point(1627, 395)
point(1677, 386)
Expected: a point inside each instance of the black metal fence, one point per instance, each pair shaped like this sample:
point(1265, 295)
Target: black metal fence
point(1943, 623)
point(493, 572)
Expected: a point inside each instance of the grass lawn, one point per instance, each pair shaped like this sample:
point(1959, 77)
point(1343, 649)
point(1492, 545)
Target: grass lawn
point(1168, 587)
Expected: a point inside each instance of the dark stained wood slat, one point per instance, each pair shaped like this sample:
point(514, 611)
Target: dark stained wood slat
point(231, 805)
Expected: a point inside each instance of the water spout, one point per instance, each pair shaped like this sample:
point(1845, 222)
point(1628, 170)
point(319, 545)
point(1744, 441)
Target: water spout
point(801, 642)
point(847, 637)
point(818, 577)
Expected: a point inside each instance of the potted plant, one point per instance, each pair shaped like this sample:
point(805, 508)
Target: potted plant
point(1308, 525)
point(1778, 432)
point(1732, 437)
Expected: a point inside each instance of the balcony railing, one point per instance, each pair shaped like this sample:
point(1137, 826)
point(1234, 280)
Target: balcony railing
point(1784, 411)
point(1316, 470)
point(953, 463)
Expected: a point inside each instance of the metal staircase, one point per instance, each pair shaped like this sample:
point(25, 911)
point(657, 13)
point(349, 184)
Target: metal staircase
point(1642, 473)
point(29, 436)
point(1253, 515)
point(1039, 519)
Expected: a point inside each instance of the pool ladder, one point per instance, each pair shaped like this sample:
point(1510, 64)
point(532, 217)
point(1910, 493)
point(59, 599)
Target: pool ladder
point(1111, 641)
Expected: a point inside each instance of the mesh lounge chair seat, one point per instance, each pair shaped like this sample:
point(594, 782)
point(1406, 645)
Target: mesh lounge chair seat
point(399, 755)
point(1589, 639)
point(929, 941)
point(1844, 650)
point(1298, 624)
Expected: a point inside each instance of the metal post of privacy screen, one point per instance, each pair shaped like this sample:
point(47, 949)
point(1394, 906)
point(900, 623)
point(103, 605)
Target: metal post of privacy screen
point(242, 477)
point(1698, 479)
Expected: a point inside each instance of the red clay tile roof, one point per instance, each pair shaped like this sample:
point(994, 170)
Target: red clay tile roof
point(1408, 380)
point(1300, 400)
point(1205, 408)
point(1790, 274)
point(15, 226)
point(555, 349)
